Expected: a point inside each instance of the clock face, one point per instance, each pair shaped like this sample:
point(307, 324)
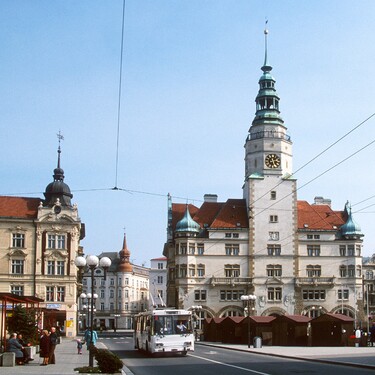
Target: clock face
point(272, 161)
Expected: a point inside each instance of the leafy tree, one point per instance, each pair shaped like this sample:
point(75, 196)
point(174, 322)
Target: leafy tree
point(24, 321)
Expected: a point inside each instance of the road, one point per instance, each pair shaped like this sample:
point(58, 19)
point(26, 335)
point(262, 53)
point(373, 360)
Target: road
point(217, 361)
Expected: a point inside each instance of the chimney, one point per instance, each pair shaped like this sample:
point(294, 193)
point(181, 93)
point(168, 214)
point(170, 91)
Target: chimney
point(210, 198)
point(321, 200)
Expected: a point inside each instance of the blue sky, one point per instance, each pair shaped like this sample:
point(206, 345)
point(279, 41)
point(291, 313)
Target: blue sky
point(190, 78)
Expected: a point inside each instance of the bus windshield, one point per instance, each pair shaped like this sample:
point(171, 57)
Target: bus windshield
point(171, 325)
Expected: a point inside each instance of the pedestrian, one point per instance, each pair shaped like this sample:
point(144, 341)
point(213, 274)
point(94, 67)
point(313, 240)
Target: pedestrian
point(44, 347)
point(79, 346)
point(372, 334)
point(90, 340)
point(26, 356)
point(52, 347)
point(15, 347)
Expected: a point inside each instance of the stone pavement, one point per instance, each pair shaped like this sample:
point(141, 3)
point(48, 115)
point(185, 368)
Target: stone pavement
point(345, 355)
point(67, 360)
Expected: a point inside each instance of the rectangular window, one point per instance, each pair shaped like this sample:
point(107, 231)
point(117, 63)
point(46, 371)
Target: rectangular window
point(200, 270)
point(191, 271)
point(313, 271)
point(274, 219)
point(49, 294)
point(228, 235)
point(358, 250)
point(101, 306)
point(51, 267)
point(160, 279)
point(60, 267)
point(112, 281)
point(274, 250)
point(231, 295)
point(56, 241)
point(351, 271)
point(102, 294)
point(160, 266)
point(60, 293)
point(191, 249)
point(274, 294)
point(343, 294)
point(274, 270)
point(313, 250)
point(51, 241)
point(126, 306)
point(342, 250)
point(236, 235)
point(351, 250)
point(200, 295)
point(18, 240)
point(200, 249)
point(17, 289)
point(314, 295)
point(111, 293)
point(232, 270)
point(61, 241)
point(273, 195)
point(232, 249)
point(126, 293)
point(18, 266)
point(183, 249)
point(111, 306)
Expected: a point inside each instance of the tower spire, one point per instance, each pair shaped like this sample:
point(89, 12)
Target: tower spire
point(60, 137)
point(266, 48)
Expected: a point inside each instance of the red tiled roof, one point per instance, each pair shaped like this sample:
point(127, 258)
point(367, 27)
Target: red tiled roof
point(231, 214)
point(161, 258)
point(26, 208)
point(319, 217)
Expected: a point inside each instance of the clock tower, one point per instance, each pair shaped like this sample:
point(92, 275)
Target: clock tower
point(270, 193)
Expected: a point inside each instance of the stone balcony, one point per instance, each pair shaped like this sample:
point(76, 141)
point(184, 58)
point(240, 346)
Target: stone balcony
point(315, 281)
point(232, 281)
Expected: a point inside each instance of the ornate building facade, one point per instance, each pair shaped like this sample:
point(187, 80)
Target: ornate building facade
point(121, 295)
point(39, 240)
point(294, 257)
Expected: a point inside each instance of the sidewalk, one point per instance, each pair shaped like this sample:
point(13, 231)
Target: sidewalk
point(345, 355)
point(67, 360)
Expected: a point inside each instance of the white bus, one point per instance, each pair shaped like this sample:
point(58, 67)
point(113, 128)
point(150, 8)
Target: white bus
point(165, 330)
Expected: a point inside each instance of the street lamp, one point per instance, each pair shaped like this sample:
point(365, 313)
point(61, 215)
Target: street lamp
point(251, 298)
point(116, 316)
point(92, 262)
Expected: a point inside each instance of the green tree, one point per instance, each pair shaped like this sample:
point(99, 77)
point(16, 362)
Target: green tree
point(24, 321)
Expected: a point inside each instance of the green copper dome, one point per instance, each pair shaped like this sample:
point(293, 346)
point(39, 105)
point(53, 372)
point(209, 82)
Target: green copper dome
point(350, 229)
point(187, 224)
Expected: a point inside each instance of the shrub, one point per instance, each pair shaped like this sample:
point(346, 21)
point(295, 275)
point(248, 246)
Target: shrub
point(108, 362)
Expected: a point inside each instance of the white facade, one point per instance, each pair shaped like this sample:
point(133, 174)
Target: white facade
point(158, 281)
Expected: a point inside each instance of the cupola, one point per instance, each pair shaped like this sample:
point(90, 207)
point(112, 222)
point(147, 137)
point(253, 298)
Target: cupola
point(58, 189)
point(350, 230)
point(187, 224)
point(124, 265)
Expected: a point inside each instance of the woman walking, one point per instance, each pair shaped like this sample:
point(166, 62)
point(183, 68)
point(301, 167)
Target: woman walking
point(44, 347)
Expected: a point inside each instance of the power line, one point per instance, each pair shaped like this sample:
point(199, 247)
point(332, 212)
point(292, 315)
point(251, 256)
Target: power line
point(119, 92)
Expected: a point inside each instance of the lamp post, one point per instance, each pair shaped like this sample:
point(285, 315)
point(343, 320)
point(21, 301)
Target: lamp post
point(250, 299)
point(92, 262)
point(116, 316)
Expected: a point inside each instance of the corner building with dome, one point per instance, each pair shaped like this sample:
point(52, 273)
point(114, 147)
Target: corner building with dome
point(295, 257)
